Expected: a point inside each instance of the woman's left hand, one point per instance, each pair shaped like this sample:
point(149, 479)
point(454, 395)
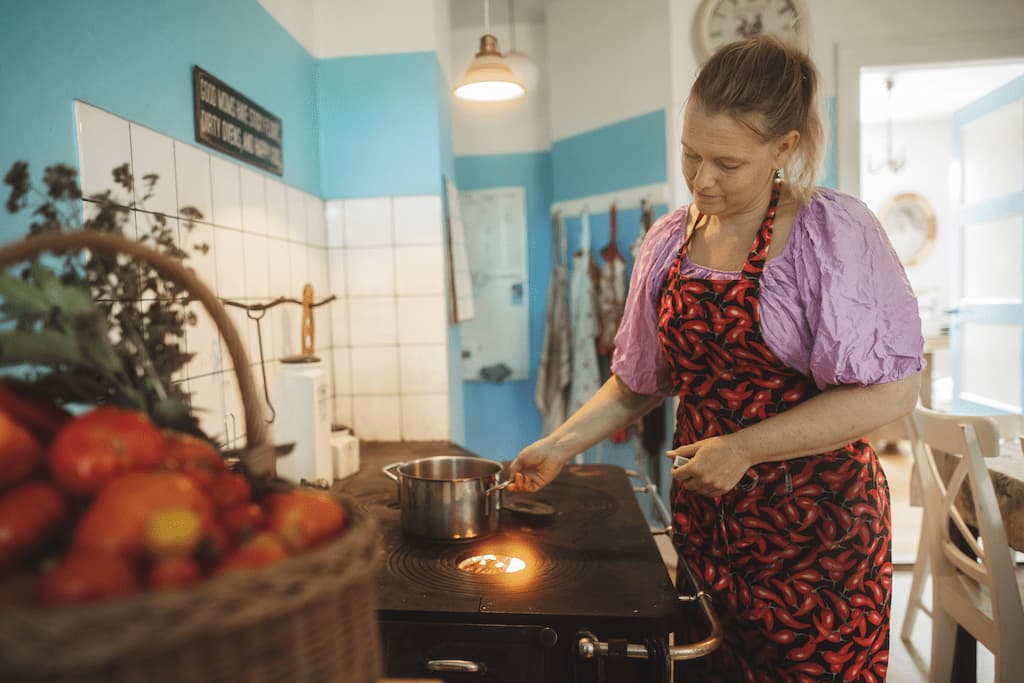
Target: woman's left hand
point(714, 469)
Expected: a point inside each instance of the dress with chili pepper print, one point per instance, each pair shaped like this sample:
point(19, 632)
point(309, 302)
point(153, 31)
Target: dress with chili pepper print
point(797, 556)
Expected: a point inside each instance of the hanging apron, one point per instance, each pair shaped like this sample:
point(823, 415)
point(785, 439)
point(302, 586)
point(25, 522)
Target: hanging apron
point(555, 372)
point(583, 306)
point(796, 557)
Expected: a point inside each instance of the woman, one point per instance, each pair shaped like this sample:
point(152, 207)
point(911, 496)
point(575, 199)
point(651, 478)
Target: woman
point(781, 317)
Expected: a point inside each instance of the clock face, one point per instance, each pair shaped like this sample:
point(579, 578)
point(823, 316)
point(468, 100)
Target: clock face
point(724, 21)
point(909, 222)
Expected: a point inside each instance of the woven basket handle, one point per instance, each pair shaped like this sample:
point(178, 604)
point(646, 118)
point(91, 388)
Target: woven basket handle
point(259, 456)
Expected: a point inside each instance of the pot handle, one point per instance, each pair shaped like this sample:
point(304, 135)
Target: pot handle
point(393, 466)
point(498, 487)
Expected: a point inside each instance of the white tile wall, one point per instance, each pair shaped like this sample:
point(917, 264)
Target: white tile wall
point(192, 174)
point(153, 153)
point(226, 193)
point(383, 340)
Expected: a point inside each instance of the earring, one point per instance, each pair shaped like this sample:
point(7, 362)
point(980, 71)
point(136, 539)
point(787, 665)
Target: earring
point(778, 174)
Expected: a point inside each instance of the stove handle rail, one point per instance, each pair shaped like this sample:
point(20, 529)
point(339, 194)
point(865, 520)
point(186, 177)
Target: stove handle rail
point(649, 487)
point(456, 666)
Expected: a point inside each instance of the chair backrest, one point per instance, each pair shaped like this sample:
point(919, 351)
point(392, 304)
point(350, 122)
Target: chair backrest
point(994, 615)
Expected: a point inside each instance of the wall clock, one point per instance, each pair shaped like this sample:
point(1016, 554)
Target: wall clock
point(909, 221)
point(722, 21)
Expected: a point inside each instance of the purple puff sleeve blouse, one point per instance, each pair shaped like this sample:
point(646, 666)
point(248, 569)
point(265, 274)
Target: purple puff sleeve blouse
point(835, 303)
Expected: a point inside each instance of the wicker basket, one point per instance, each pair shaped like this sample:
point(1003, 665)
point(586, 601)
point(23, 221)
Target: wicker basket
point(311, 617)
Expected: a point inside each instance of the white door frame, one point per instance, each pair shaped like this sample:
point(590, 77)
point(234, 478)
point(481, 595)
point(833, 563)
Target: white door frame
point(851, 58)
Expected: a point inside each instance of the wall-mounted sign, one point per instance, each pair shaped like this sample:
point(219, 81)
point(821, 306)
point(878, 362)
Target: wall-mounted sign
point(231, 123)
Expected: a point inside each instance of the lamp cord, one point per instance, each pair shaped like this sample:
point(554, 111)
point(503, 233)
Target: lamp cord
point(487, 16)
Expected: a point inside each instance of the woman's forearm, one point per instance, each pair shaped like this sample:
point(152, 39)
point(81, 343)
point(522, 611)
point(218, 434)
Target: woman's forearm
point(614, 406)
point(828, 421)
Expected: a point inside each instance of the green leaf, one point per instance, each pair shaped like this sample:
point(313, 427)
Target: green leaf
point(21, 298)
point(39, 348)
point(70, 299)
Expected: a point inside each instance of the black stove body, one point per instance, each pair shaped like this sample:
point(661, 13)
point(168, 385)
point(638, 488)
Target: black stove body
point(592, 569)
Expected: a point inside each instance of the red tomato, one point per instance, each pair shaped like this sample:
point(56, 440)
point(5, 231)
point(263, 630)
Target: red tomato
point(28, 515)
point(19, 451)
point(94, 448)
point(117, 520)
point(261, 550)
point(173, 572)
point(243, 520)
point(229, 489)
point(192, 457)
point(304, 518)
point(40, 416)
point(88, 576)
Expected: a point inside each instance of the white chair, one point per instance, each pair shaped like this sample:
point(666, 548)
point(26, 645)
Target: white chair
point(981, 595)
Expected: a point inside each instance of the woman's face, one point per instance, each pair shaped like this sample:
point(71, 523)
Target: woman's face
point(727, 166)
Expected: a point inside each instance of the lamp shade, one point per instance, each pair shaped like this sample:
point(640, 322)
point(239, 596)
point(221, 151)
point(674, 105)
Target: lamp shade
point(488, 78)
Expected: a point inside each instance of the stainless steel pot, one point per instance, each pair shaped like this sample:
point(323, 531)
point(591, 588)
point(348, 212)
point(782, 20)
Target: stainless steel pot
point(448, 498)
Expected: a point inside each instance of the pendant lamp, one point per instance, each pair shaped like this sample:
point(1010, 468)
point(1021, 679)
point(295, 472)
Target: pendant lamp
point(488, 78)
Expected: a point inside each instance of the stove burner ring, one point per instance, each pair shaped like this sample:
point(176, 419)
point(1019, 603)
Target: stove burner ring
point(436, 566)
point(379, 503)
point(491, 563)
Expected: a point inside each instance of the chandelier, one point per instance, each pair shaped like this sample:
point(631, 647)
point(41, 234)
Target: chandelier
point(892, 163)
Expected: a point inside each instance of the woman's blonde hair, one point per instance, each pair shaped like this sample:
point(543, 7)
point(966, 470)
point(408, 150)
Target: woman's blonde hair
point(764, 76)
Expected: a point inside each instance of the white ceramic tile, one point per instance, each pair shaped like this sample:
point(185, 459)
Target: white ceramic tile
point(272, 329)
point(423, 369)
point(228, 246)
point(254, 201)
point(368, 222)
point(280, 279)
point(296, 229)
point(153, 154)
point(290, 317)
point(422, 320)
point(208, 404)
point(419, 270)
point(376, 418)
point(335, 211)
point(277, 208)
point(270, 369)
point(316, 221)
point(339, 322)
point(425, 417)
point(298, 263)
point(257, 267)
point(371, 321)
point(146, 223)
point(342, 371)
point(374, 370)
point(418, 220)
point(198, 243)
point(370, 271)
point(126, 219)
point(192, 177)
point(226, 193)
point(203, 341)
point(103, 144)
point(343, 410)
point(336, 276)
point(316, 263)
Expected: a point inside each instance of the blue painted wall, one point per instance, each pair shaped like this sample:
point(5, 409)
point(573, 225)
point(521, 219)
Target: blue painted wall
point(134, 59)
point(380, 118)
point(628, 153)
point(830, 169)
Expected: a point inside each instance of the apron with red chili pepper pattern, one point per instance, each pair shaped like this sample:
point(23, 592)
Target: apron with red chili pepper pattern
point(797, 556)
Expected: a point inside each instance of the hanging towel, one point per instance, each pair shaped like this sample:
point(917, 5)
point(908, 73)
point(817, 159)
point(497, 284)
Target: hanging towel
point(555, 372)
point(585, 327)
point(612, 291)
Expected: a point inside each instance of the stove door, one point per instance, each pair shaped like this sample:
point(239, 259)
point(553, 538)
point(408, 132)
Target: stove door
point(468, 652)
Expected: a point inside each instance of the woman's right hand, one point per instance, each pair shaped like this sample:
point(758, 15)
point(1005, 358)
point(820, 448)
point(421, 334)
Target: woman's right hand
point(535, 467)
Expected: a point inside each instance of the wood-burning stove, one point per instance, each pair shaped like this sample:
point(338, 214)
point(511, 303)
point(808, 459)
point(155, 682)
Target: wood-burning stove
point(588, 597)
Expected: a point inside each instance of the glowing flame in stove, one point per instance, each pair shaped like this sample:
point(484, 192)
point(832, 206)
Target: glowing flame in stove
point(492, 563)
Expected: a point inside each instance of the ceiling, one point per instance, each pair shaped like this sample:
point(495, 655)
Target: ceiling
point(929, 92)
point(470, 13)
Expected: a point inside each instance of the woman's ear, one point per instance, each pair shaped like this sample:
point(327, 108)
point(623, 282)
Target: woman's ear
point(785, 146)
